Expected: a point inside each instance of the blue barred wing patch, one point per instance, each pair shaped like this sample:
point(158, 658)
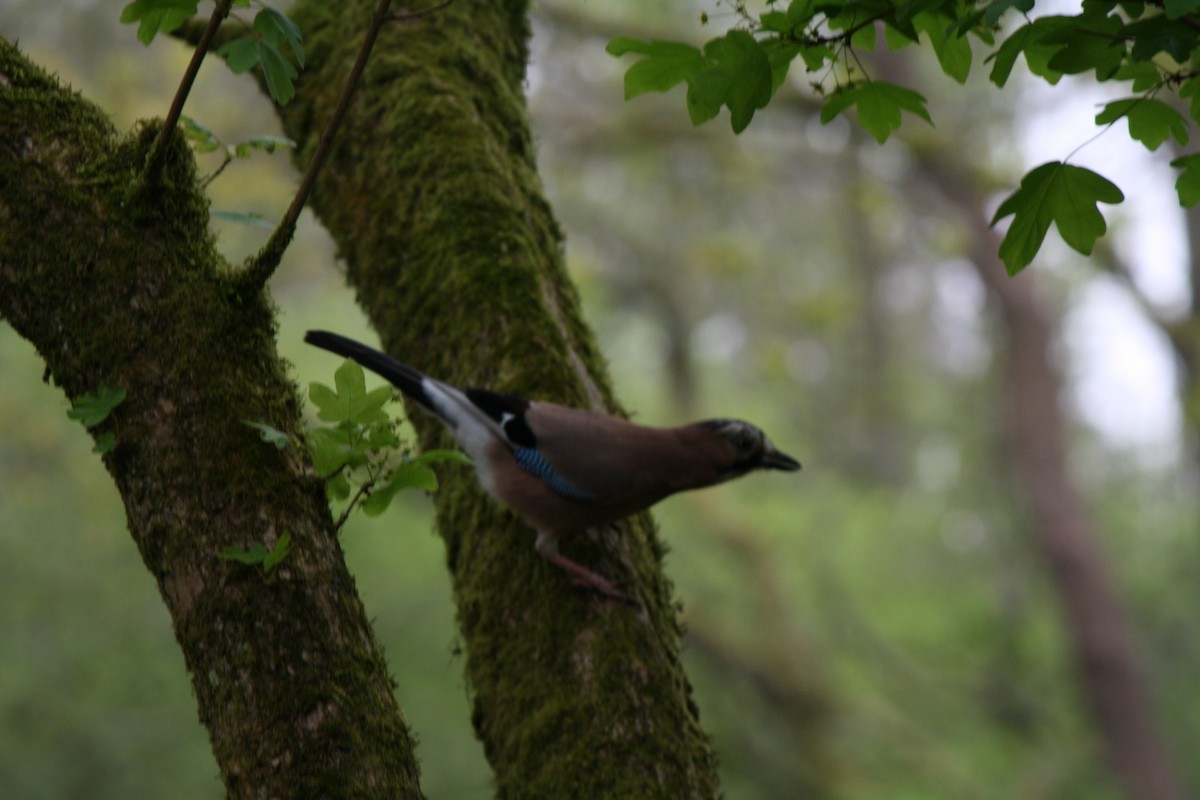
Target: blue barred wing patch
point(532, 462)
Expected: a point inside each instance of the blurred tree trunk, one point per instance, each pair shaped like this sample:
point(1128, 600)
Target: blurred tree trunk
point(1035, 430)
point(875, 448)
point(117, 282)
point(1184, 334)
point(434, 200)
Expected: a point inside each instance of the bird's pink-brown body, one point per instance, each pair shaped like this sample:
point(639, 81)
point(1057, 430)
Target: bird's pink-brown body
point(564, 469)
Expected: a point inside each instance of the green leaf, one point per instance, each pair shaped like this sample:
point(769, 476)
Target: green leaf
point(996, 9)
point(879, 105)
point(377, 501)
point(381, 437)
point(1057, 193)
point(408, 475)
point(153, 16)
point(277, 30)
point(105, 442)
point(1029, 41)
point(326, 400)
point(905, 10)
point(706, 93)
point(776, 21)
point(1187, 185)
point(801, 12)
point(666, 64)
point(1158, 34)
point(817, 57)
point(733, 70)
point(895, 38)
point(953, 51)
point(240, 54)
point(278, 71)
point(283, 546)
point(243, 218)
point(274, 31)
point(92, 409)
point(246, 555)
point(432, 456)
point(414, 475)
point(745, 63)
point(333, 449)
point(259, 555)
point(1178, 8)
point(1092, 43)
point(349, 401)
point(361, 407)
point(780, 55)
point(1151, 121)
point(337, 487)
point(203, 139)
point(1142, 75)
point(1191, 89)
point(864, 38)
point(269, 435)
point(264, 142)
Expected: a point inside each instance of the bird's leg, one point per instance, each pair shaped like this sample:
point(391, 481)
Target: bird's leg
point(547, 548)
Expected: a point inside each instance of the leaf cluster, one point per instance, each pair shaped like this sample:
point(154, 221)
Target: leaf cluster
point(271, 33)
point(359, 449)
point(1150, 47)
point(93, 408)
point(205, 140)
point(265, 558)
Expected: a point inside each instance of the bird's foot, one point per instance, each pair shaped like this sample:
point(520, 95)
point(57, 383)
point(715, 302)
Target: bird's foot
point(584, 577)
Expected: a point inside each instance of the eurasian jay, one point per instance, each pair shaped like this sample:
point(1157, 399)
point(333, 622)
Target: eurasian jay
point(564, 469)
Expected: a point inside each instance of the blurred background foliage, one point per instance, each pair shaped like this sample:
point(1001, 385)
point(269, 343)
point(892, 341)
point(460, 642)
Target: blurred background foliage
point(880, 626)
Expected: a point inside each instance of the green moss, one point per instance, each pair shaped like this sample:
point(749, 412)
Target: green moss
point(114, 278)
point(433, 197)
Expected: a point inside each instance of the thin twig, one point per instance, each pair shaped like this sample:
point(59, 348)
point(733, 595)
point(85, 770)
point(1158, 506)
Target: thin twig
point(228, 160)
point(846, 35)
point(261, 266)
point(158, 153)
point(341, 520)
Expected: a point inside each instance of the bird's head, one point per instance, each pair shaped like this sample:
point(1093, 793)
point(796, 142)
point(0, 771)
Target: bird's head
point(749, 447)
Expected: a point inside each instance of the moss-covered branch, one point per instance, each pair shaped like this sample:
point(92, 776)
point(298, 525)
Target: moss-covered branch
point(119, 284)
point(433, 196)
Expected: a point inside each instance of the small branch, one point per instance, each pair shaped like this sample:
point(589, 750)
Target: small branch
point(158, 153)
point(341, 520)
point(848, 34)
point(228, 160)
point(261, 266)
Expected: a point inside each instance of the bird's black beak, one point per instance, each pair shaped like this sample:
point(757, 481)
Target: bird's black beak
point(774, 459)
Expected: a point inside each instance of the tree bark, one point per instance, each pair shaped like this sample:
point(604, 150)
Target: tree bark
point(116, 281)
point(433, 198)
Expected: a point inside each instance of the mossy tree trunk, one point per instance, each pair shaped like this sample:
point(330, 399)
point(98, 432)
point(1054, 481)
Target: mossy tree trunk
point(115, 281)
point(433, 197)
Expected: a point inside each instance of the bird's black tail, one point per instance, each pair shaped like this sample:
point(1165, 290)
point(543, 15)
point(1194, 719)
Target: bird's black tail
point(402, 376)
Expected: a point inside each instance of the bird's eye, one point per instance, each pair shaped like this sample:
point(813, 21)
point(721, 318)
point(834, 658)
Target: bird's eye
point(745, 440)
